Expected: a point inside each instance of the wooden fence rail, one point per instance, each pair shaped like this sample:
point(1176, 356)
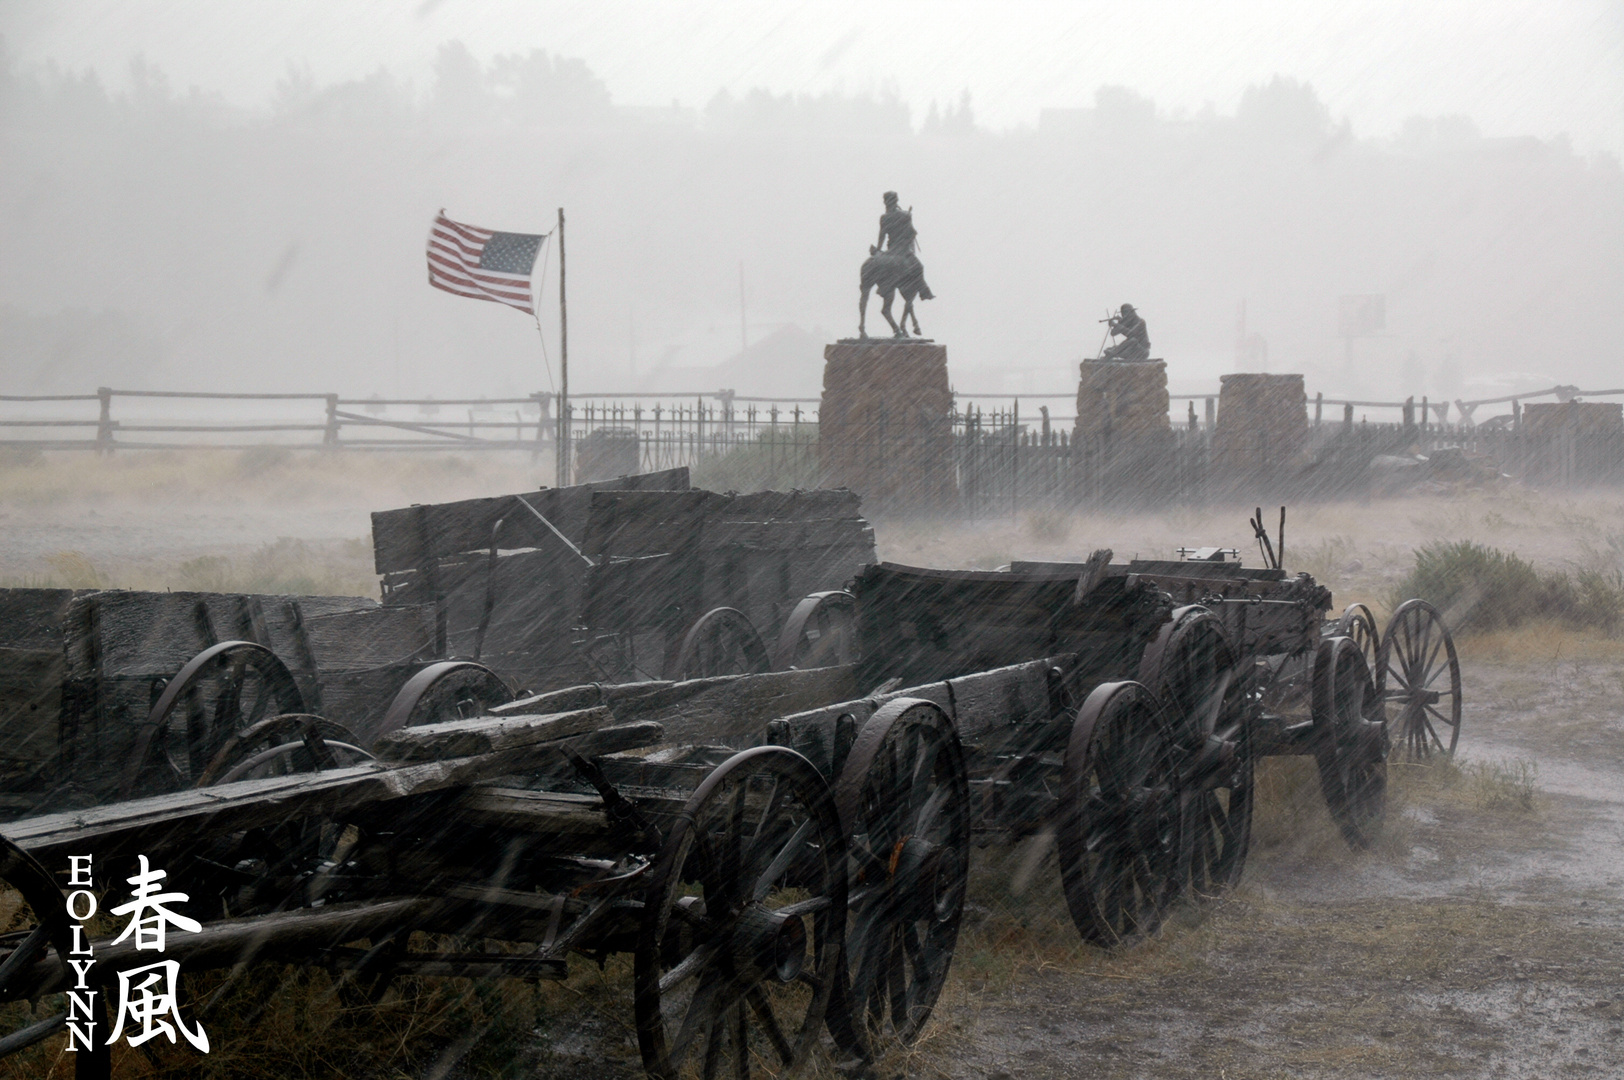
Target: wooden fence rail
point(1005, 461)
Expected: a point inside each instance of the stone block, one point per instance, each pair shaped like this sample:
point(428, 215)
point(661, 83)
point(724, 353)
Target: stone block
point(1262, 426)
point(885, 428)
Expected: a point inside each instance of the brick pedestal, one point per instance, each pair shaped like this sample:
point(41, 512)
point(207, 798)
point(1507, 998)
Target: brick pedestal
point(885, 428)
point(1123, 433)
point(1262, 428)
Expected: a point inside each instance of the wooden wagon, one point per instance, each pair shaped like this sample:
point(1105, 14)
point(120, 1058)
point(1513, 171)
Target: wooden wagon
point(637, 578)
point(784, 854)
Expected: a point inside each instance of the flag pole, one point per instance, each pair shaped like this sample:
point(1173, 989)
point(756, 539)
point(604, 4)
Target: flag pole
point(563, 443)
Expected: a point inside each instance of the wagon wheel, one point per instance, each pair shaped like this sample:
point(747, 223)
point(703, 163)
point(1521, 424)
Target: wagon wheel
point(1358, 623)
point(1118, 815)
point(1183, 666)
point(1350, 740)
point(1195, 675)
point(821, 632)
point(904, 800)
point(448, 690)
point(739, 949)
point(1418, 680)
point(294, 742)
point(1193, 671)
point(34, 942)
point(221, 691)
point(720, 642)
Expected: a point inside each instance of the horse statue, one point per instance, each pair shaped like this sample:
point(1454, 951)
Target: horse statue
point(892, 267)
point(890, 274)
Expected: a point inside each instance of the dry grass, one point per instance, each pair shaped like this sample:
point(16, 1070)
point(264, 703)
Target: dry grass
point(285, 566)
point(264, 474)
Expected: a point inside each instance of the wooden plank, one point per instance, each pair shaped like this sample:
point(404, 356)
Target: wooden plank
point(535, 812)
point(1001, 698)
point(640, 593)
point(733, 709)
point(182, 818)
point(624, 523)
point(787, 535)
point(814, 505)
point(486, 735)
point(120, 633)
point(409, 537)
point(365, 638)
point(568, 699)
point(32, 618)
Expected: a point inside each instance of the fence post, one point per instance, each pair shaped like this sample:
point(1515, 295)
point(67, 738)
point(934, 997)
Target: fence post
point(1212, 413)
point(1319, 405)
point(104, 425)
point(329, 437)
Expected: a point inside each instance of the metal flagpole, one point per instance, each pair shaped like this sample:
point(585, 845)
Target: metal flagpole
point(563, 444)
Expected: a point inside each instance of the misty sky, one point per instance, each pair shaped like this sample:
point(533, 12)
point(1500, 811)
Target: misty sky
point(1460, 159)
point(1517, 68)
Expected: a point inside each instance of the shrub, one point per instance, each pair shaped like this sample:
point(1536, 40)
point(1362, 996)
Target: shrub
point(1482, 588)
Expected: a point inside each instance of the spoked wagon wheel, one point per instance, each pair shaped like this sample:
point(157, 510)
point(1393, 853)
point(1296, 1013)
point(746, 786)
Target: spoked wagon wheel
point(34, 944)
point(221, 691)
point(904, 800)
point(1358, 623)
point(821, 632)
point(292, 743)
point(1350, 740)
point(720, 642)
point(266, 867)
point(739, 951)
point(1418, 680)
point(448, 690)
point(1118, 815)
point(1193, 671)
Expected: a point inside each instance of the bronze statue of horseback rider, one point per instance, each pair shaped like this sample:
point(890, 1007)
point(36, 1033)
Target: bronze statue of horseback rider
point(893, 266)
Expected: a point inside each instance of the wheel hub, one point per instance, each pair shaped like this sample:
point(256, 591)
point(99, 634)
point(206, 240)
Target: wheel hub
point(770, 944)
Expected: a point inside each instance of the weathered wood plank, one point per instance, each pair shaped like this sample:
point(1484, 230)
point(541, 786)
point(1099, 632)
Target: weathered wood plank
point(145, 825)
point(32, 618)
point(538, 812)
point(788, 535)
point(486, 735)
point(407, 538)
point(1001, 698)
point(632, 523)
point(814, 505)
point(728, 710)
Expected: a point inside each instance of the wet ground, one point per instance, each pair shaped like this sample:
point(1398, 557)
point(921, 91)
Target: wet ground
point(1482, 937)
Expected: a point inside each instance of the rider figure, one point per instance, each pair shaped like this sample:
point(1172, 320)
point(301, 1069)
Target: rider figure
point(1135, 343)
point(896, 225)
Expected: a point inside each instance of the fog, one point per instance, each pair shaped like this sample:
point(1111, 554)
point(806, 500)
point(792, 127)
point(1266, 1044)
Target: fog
point(185, 229)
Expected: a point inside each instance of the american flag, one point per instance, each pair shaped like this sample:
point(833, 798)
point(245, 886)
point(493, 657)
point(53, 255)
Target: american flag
point(482, 264)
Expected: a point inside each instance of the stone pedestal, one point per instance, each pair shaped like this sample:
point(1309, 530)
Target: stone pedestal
point(1262, 427)
point(1122, 399)
point(1123, 434)
point(885, 428)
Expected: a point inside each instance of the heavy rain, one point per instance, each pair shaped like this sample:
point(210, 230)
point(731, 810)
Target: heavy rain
point(830, 540)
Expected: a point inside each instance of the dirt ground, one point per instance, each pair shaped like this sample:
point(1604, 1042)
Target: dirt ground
point(1483, 936)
